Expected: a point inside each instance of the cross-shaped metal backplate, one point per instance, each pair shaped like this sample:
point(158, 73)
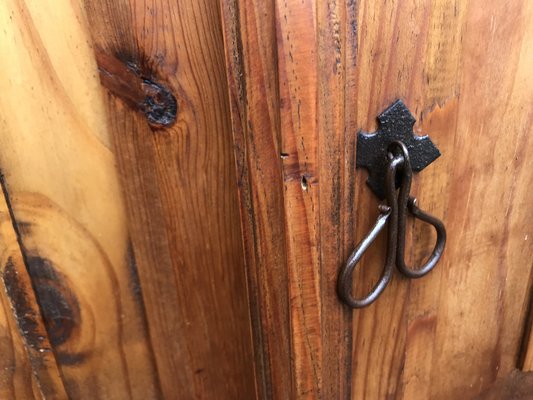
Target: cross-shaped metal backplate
point(395, 123)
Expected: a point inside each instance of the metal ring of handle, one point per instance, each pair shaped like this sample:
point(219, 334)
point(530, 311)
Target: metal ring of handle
point(344, 282)
point(387, 213)
point(437, 250)
point(405, 202)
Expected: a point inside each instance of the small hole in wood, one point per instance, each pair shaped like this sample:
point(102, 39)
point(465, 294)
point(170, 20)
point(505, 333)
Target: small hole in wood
point(304, 183)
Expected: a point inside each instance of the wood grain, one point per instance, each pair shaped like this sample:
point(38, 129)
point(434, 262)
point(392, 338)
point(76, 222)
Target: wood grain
point(250, 41)
point(16, 375)
point(336, 48)
point(454, 332)
point(29, 362)
point(28, 369)
point(291, 228)
point(123, 152)
point(297, 61)
point(461, 69)
point(66, 200)
point(162, 65)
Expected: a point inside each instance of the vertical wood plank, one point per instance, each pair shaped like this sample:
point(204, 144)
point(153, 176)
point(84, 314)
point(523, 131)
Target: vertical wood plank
point(460, 67)
point(65, 196)
point(296, 216)
point(251, 54)
point(336, 47)
point(163, 67)
point(297, 69)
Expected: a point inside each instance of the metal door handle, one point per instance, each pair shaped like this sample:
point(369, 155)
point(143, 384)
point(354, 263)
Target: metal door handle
point(398, 203)
point(344, 283)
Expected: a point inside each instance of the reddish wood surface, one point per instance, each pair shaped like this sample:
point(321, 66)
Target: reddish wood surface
point(296, 236)
point(163, 67)
point(333, 67)
point(249, 34)
point(134, 134)
point(462, 68)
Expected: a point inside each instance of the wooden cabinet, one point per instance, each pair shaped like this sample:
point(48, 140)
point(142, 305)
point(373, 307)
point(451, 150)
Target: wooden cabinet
point(180, 193)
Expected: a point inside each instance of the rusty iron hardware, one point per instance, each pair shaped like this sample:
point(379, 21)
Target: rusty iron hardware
point(401, 152)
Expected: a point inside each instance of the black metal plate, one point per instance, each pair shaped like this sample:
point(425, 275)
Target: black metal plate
point(395, 123)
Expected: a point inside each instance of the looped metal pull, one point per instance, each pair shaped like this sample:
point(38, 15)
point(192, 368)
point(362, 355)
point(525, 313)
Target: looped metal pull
point(406, 202)
point(437, 250)
point(395, 213)
point(344, 283)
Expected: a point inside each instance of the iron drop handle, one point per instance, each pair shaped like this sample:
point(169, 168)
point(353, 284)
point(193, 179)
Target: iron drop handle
point(398, 204)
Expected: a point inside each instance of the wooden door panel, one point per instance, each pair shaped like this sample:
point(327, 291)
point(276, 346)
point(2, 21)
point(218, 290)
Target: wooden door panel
point(461, 67)
point(279, 106)
point(249, 34)
point(464, 74)
point(132, 132)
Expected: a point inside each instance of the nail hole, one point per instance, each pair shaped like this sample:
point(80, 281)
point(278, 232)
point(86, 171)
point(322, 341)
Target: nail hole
point(304, 183)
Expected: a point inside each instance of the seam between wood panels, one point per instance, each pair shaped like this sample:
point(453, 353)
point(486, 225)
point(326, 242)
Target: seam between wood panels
point(261, 354)
point(254, 303)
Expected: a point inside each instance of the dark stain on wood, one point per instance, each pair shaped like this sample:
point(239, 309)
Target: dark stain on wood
point(21, 294)
point(517, 386)
point(24, 312)
point(159, 104)
point(66, 358)
point(527, 329)
point(59, 306)
point(135, 83)
point(135, 283)
point(160, 174)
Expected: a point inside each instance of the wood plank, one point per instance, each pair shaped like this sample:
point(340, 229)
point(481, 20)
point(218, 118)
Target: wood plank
point(297, 71)
point(336, 47)
point(163, 67)
point(296, 236)
point(461, 68)
point(250, 40)
point(526, 356)
point(28, 361)
point(65, 196)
